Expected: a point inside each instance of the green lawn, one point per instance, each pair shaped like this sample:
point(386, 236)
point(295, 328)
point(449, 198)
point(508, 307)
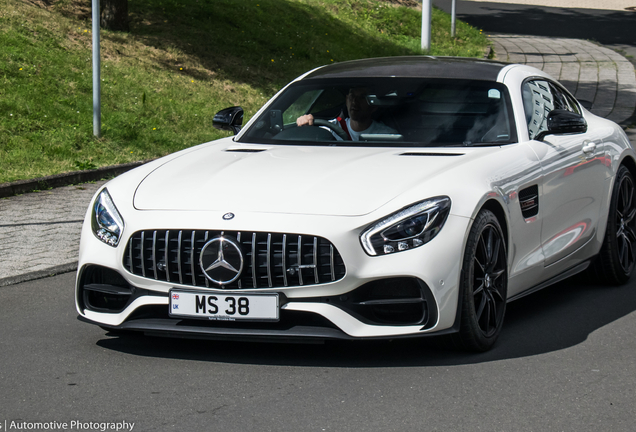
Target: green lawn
point(181, 62)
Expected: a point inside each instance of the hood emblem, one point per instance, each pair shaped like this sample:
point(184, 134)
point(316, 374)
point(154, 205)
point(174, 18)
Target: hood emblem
point(221, 260)
point(228, 216)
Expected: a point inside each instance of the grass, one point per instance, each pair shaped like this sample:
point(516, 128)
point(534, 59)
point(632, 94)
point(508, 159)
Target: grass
point(181, 62)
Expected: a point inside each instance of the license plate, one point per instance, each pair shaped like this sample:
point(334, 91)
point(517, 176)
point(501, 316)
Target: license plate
point(224, 307)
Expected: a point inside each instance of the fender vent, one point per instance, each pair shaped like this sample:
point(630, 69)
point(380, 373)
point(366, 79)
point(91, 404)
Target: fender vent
point(529, 201)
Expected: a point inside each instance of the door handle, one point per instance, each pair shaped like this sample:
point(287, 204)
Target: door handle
point(589, 147)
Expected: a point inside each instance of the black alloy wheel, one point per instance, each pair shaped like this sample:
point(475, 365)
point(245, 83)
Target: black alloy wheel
point(624, 223)
point(483, 285)
point(615, 262)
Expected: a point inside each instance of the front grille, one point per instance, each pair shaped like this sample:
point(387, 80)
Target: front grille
point(270, 260)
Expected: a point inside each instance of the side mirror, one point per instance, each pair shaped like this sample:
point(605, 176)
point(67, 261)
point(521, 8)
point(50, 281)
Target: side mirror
point(229, 119)
point(563, 122)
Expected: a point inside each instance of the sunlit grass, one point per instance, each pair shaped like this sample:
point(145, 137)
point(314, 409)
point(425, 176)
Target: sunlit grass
point(182, 62)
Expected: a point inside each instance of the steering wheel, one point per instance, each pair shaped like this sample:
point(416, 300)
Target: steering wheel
point(334, 127)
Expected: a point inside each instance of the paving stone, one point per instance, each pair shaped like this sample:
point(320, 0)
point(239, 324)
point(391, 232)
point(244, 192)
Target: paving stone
point(585, 92)
point(602, 111)
point(570, 74)
point(588, 73)
point(39, 228)
point(516, 58)
point(537, 65)
point(603, 104)
point(552, 69)
point(620, 112)
point(625, 100)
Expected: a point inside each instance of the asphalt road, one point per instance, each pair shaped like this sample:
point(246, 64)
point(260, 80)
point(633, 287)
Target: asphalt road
point(565, 361)
point(604, 26)
point(611, 28)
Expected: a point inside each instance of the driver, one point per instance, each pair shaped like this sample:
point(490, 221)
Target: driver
point(360, 119)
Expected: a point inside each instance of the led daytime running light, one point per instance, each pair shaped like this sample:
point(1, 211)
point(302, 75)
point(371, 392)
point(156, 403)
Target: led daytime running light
point(106, 221)
point(434, 210)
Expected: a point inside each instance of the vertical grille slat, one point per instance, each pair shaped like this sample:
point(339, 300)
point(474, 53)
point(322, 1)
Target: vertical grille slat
point(331, 263)
point(154, 253)
point(130, 254)
point(179, 257)
point(270, 259)
point(254, 267)
point(194, 277)
point(166, 255)
point(205, 240)
point(238, 239)
point(284, 261)
point(143, 263)
point(316, 278)
point(299, 259)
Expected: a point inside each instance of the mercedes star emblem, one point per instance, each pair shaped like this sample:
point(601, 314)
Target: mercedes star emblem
point(228, 216)
point(221, 260)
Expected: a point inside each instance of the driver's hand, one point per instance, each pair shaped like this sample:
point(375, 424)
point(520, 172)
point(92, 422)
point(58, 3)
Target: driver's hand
point(305, 120)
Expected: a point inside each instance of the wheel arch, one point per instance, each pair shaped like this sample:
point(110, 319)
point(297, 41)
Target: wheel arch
point(607, 266)
point(462, 335)
point(629, 162)
point(497, 209)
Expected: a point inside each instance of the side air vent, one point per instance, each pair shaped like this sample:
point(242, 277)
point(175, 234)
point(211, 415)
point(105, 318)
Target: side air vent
point(529, 201)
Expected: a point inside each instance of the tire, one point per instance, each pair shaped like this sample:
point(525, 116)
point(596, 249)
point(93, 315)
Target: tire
point(615, 263)
point(483, 285)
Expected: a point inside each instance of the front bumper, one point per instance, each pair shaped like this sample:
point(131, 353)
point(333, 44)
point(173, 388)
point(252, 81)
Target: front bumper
point(344, 309)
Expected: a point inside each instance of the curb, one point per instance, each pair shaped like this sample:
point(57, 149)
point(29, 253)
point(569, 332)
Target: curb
point(65, 179)
point(40, 274)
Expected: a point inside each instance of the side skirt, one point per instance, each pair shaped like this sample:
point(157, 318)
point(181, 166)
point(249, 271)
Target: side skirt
point(568, 273)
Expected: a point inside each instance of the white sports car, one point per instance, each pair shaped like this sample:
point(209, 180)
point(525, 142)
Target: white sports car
point(424, 194)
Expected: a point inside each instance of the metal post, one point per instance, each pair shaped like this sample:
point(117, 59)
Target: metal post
point(427, 9)
point(97, 112)
point(453, 17)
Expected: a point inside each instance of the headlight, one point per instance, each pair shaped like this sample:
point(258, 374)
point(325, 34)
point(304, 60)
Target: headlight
point(107, 223)
point(409, 228)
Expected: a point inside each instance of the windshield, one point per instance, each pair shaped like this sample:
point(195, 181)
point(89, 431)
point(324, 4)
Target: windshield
point(400, 112)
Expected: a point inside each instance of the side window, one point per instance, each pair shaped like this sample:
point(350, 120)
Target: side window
point(563, 100)
point(539, 98)
point(538, 101)
point(574, 105)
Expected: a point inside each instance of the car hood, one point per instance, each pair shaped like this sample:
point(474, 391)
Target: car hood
point(343, 181)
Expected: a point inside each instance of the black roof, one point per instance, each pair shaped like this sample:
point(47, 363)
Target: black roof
point(413, 67)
